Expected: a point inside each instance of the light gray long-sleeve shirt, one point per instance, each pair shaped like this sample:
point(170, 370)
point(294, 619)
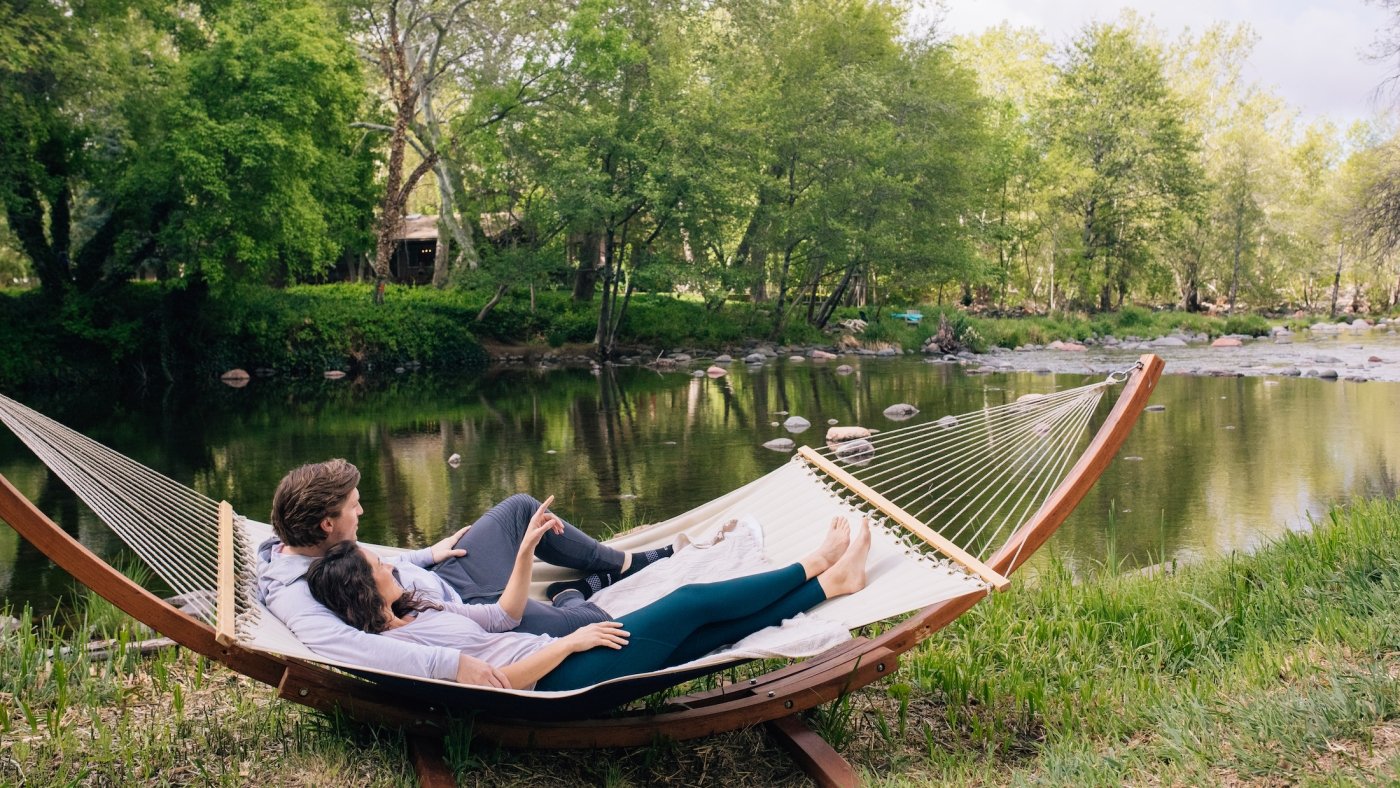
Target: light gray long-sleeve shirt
point(481, 631)
point(282, 588)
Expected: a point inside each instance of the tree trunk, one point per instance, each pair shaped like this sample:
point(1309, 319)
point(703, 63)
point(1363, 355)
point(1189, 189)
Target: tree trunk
point(590, 260)
point(1336, 281)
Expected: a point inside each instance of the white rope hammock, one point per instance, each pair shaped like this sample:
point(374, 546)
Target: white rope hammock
point(942, 495)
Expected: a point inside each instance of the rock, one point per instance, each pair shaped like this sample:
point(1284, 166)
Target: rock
point(1155, 408)
point(235, 374)
point(716, 372)
point(334, 374)
point(780, 444)
point(947, 422)
point(681, 358)
point(887, 351)
point(845, 369)
point(454, 459)
point(1327, 360)
point(1327, 374)
point(901, 411)
point(699, 373)
point(821, 355)
point(796, 359)
point(1291, 372)
point(767, 350)
point(1360, 323)
point(755, 358)
point(1069, 346)
point(399, 370)
point(1283, 339)
point(1226, 342)
point(774, 424)
point(723, 358)
point(8, 624)
point(837, 435)
point(796, 424)
point(832, 422)
point(1168, 342)
point(850, 450)
point(1355, 378)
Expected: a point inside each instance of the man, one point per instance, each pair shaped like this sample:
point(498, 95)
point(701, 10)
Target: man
point(318, 505)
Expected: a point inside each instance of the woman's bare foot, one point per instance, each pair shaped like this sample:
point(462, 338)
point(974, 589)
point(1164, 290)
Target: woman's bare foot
point(847, 575)
point(718, 537)
point(682, 542)
point(838, 535)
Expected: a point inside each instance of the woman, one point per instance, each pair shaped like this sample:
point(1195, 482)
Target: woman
point(686, 624)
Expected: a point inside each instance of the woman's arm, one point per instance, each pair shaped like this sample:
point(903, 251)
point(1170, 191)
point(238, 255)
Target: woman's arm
point(512, 599)
point(525, 672)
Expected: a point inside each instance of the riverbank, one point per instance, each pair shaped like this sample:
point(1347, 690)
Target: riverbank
point(146, 335)
point(1264, 669)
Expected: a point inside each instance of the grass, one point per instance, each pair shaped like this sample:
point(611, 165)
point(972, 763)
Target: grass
point(1273, 668)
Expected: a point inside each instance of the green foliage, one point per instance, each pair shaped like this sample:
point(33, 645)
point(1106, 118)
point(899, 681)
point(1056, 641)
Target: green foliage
point(1251, 325)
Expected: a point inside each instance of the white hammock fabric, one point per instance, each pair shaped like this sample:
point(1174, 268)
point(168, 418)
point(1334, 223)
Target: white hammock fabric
point(973, 479)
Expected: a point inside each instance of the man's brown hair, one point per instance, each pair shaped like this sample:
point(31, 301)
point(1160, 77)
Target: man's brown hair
point(308, 495)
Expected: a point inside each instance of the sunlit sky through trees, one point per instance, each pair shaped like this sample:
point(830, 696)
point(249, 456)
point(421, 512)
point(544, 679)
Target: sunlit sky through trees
point(1314, 53)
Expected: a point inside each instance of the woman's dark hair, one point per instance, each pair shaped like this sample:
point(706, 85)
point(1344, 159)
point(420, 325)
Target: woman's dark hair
point(343, 581)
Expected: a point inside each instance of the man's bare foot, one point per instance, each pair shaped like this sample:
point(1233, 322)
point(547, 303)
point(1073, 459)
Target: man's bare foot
point(838, 536)
point(847, 575)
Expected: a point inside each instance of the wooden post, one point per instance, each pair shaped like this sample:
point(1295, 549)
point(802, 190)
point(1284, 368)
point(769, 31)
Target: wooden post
point(817, 758)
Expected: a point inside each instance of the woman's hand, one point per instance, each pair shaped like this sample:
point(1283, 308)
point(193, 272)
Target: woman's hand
point(604, 633)
point(543, 520)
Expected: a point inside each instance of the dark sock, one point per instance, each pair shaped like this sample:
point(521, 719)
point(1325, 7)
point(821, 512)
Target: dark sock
point(592, 584)
point(641, 561)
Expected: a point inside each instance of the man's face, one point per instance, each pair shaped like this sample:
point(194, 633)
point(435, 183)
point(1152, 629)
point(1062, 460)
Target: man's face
point(346, 525)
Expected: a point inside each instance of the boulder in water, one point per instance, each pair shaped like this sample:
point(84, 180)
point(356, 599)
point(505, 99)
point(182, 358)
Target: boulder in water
point(780, 444)
point(901, 411)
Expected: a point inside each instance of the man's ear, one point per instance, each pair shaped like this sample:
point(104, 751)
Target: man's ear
point(326, 527)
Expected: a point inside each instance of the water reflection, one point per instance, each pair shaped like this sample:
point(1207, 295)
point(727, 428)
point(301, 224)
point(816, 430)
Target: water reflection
point(1228, 463)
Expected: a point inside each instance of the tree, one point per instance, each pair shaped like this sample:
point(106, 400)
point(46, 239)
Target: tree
point(1118, 128)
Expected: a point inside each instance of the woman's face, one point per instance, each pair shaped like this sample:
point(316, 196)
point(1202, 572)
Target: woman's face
point(384, 580)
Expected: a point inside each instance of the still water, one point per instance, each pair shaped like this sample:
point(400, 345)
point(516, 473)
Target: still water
point(1229, 463)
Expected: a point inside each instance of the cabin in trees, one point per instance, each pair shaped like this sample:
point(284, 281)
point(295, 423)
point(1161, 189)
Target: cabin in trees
point(415, 248)
point(415, 245)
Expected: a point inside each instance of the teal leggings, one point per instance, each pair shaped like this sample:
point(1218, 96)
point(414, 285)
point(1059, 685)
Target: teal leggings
point(690, 622)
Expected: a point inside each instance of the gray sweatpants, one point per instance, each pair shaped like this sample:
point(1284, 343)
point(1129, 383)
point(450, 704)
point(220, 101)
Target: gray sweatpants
point(492, 544)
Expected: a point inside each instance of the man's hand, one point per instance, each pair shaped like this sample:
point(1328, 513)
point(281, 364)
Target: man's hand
point(471, 670)
point(447, 548)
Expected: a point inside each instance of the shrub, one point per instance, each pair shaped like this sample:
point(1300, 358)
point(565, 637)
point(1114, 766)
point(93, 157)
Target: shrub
point(1253, 325)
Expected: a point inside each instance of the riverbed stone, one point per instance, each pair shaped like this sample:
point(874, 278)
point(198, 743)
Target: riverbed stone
point(1290, 372)
point(837, 435)
point(796, 359)
point(796, 424)
point(723, 358)
point(901, 411)
point(333, 374)
point(755, 358)
point(821, 355)
point(1327, 374)
point(716, 371)
point(1155, 408)
point(1226, 342)
point(1375, 360)
point(845, 369)
point(860, 447)
point(779, 444)
point(1170, 341)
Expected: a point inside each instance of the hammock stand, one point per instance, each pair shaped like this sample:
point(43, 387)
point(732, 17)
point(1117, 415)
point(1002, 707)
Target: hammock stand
point(776, 697)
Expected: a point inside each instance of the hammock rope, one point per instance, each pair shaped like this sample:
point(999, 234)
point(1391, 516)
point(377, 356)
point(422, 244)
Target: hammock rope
point(969, 479)
point(171, 527)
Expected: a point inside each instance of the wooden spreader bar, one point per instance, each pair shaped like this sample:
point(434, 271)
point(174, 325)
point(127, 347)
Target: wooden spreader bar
point(894, 512)
point(225, 610)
